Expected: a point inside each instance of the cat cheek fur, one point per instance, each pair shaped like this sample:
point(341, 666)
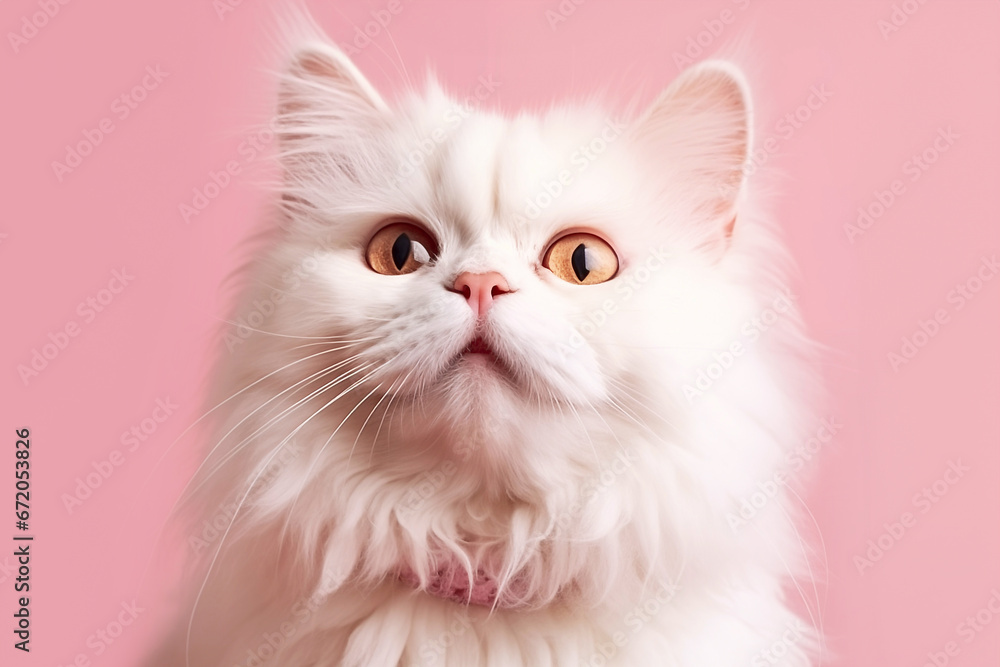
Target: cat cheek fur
point(582, 476)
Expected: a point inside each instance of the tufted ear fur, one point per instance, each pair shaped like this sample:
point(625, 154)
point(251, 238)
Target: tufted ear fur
point(327, 113)
point(321, 82)
point(701, 124)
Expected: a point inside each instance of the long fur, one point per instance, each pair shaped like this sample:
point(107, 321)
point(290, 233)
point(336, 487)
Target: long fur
point(596, 482)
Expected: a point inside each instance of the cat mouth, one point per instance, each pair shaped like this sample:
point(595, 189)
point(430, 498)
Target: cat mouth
point(478, 346)
point(478, 354)
point(482, 359)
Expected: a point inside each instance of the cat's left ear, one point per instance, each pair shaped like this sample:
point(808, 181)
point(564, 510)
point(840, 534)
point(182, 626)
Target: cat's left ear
point(699, 129)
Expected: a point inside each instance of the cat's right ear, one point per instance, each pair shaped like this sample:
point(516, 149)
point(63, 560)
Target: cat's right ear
point(326, 108)
point(322, 90)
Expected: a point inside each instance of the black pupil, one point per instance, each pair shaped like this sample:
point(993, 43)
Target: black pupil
point(401, 250)
point(580, 263)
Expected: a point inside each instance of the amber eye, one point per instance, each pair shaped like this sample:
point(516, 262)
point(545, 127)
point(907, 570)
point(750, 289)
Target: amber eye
point(399, 248)
point(581, 259)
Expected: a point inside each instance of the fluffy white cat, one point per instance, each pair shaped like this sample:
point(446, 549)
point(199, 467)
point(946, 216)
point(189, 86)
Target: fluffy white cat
point(502, 390)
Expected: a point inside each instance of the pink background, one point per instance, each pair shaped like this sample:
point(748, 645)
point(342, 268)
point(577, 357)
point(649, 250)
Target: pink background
point(890, 95)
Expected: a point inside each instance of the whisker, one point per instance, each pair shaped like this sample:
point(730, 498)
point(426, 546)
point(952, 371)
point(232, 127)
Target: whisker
point(315, 376)
point(246, 388)
point(159, 462)
point(791, 576)
point(354, 340)
point(319, 454)
point(805, 553)
point(244, 442)
point(378, 431)
point(262, 467)
point(280, 335)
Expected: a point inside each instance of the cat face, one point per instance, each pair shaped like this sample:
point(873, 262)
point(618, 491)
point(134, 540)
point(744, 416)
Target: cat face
point(486, 322)
point(489, 265)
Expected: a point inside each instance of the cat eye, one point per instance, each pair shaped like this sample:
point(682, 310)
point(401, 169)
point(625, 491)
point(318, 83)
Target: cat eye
point(399, 248)
point(581, 259)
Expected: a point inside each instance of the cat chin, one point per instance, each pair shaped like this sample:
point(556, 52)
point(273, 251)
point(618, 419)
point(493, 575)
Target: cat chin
point(486, 361)
point(483, 367)
point(477, 385)
point(478, 405)
point(486, 380)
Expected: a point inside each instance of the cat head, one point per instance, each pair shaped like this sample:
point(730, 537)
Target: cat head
point(505, 303)
point(495, 263)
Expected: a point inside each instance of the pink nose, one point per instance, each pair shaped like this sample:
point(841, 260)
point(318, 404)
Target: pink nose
point(479, 289)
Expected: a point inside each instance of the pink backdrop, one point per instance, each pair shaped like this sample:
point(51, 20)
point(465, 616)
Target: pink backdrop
point(99, 265)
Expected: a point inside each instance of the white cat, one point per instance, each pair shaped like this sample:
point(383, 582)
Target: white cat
point(502, 389)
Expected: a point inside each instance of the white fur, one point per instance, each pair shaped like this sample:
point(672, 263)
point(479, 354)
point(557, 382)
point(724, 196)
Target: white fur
point(591, 479)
